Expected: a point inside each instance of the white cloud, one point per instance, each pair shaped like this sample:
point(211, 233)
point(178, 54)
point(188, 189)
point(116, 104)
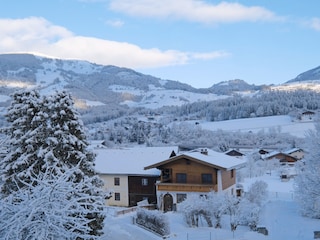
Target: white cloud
point(193, 10)
point(23, 33)
point(315, 24)
point(40, 36)
point(115, 23)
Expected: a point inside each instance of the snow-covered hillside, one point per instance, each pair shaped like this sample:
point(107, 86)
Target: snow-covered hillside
point(92, 82)
point(313, 85)
point(282, 124)
point(312, 74)
point(157, 97)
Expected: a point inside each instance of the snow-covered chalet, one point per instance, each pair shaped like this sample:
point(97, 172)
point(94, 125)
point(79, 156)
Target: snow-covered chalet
point(198, 171)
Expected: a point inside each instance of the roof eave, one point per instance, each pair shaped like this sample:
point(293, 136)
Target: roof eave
point(193, 159)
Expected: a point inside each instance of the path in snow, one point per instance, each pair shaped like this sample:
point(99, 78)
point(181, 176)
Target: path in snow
point(121, 228)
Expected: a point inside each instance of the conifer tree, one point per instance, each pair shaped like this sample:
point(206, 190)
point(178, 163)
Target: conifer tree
point(67, 145)
point(19, 161)
point(46, 134)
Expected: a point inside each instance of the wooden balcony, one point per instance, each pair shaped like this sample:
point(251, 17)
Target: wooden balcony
point(186, 187)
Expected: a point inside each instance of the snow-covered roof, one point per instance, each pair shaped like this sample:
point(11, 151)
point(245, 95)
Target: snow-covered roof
point(130, 161)
point(271, 154)
point(210, 157)
point(216, 158)
point(292, 150)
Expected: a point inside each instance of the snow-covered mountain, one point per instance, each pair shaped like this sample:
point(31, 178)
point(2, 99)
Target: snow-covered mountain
point(310, 75)
point(98, 85)
point(93, 84)
point(308, 80)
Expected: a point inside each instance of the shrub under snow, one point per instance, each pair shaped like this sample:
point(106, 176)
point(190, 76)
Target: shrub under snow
point(153, 220)
point(194, 208)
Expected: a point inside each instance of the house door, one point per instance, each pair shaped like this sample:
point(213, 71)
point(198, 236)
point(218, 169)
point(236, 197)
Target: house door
point(167, 202)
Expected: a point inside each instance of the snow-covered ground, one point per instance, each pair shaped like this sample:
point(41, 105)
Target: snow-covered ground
point(280, 215)
point(283, 124)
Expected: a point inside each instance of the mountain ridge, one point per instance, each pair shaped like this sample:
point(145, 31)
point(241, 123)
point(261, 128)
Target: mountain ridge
point(104, 83)
point(309, 75)
point(96, 85)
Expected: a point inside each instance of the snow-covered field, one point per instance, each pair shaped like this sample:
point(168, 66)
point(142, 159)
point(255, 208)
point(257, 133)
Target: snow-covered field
point(280, 216)
point(283, 124)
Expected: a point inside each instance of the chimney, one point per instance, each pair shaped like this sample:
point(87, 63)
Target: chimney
point(204, 151)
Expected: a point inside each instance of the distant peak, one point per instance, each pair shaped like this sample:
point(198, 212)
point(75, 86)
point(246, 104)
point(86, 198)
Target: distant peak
point(310, 75)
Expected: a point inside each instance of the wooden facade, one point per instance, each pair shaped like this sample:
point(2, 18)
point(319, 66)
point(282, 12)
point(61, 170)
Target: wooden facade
point(195, 173)
point(282, 157)
point(178, 187)
point(142, 188)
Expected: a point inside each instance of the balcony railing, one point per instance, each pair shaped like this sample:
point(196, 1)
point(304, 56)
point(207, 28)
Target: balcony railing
point(186, 187)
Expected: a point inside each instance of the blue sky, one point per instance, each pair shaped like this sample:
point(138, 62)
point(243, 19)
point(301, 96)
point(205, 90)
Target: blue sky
point(198, 42)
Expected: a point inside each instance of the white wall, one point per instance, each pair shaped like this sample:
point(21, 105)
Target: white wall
point(122, 189)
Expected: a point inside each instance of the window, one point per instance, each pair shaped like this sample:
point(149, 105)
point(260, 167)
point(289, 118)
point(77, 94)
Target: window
point(181, 177)
point(117, 196)
point(181, 197)
point(117, 181)
point(144, 181)
point(206, 178)
point(166, 174)
point(232, 173)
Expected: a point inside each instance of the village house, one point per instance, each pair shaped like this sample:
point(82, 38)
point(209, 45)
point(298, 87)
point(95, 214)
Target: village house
point(287, 160)
point(122, 171)
point(307, 116)
point(198, 171)
point(282, 157)
point(288, 156)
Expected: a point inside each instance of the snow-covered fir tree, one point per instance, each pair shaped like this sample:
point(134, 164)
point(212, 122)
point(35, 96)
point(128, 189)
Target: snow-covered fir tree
point(22, 115)
point(307, 182)
point(46, 133)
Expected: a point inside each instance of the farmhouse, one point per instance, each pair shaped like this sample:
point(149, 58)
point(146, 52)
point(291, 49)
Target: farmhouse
point(289, 156)
point(198, 171)
point(122, 171)
point(307, 116)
